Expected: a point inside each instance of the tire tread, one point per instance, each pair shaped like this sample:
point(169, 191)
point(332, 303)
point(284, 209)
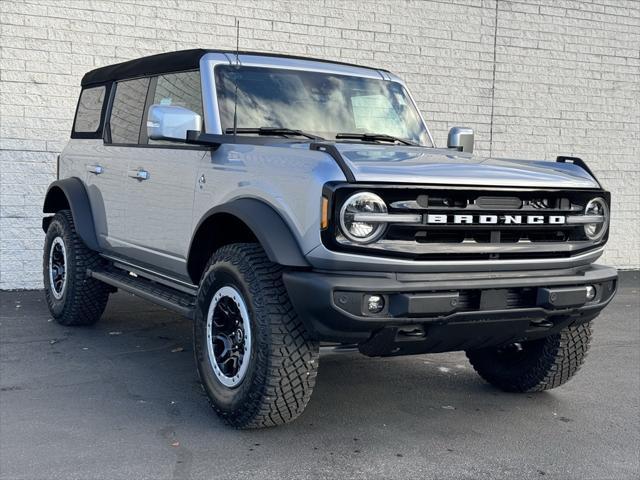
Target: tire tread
point(561, 357)
point(292, 362)
point(87, 298)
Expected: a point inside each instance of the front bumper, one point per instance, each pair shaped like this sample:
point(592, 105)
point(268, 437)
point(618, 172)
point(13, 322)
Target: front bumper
point(445, 312)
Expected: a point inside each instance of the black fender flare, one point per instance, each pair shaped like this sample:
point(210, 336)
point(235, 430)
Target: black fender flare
point(267, 226)
point(77, 198)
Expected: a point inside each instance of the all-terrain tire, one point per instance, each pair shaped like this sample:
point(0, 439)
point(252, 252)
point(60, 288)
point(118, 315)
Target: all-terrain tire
point(283, 363)
point(82, 299)
point(539, 365)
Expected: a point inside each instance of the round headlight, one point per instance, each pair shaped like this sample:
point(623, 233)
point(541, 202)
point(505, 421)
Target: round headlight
point(362, 232)
point(598, 207)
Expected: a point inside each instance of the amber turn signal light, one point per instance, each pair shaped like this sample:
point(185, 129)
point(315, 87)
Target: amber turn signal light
point(324, 216)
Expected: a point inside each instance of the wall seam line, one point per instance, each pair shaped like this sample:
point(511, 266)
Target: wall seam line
point(493, 80)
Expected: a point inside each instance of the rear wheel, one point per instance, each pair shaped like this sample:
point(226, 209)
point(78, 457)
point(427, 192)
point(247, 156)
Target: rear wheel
point(256, 361)
point(72, 296)
point(536, 365)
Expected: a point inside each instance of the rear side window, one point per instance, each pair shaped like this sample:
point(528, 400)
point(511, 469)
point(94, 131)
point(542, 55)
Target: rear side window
point(127, 111)
point(89, 112)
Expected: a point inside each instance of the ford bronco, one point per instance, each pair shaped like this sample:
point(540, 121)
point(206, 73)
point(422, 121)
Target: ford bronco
point(280, 202)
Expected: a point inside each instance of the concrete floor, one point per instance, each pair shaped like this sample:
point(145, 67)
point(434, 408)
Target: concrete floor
point(121, 401)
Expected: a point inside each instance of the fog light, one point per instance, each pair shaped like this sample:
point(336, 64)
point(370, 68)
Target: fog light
point(591, 292)
point(375, 303)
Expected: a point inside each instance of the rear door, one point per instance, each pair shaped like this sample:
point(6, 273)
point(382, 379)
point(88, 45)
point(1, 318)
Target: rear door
point(162, 182)
point(106, 176)
point(103, 172)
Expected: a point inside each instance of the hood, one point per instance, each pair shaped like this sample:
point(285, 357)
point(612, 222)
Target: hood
point(397, 164)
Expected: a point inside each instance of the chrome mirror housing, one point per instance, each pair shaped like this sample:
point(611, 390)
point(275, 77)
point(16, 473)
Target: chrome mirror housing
point(169, 122)
point(461, 138)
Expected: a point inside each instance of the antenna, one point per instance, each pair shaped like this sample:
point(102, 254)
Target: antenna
point(235, 79)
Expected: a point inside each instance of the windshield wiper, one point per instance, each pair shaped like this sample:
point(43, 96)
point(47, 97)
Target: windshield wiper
point(381, 137)
point(274, 131)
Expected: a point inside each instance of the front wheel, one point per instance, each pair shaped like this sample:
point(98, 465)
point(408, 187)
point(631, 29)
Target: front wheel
point(256, 361)
point(535, 365)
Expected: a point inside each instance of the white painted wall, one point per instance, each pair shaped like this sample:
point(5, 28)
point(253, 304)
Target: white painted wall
point(552, 77)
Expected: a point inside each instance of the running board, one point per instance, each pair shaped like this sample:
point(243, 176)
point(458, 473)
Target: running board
point(163, 295)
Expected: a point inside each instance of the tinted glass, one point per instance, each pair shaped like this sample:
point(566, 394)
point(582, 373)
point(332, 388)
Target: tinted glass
point(127, 110)
point(89, 110)
point(179, 89)
point(321, 103)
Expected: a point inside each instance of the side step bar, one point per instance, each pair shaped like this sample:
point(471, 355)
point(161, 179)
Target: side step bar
point(171, 298)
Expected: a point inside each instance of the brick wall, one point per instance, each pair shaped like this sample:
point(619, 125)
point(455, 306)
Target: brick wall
point(533, 78)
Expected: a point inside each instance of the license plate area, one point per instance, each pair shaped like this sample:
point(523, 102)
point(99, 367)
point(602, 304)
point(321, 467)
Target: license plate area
point(494, 299)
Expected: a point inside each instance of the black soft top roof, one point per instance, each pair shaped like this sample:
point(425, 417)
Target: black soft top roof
point(172, 62)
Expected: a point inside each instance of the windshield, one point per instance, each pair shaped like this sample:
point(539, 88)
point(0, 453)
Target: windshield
point(322, 104)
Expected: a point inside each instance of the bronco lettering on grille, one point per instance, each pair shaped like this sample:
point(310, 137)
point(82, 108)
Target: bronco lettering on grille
point(496, 219)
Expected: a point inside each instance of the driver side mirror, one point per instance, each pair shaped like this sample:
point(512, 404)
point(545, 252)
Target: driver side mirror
point(461, 138)
point(170, 122)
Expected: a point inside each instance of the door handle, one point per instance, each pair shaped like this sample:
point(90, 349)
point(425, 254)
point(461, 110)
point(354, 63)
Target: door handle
point(139, 174)
point(97, 169)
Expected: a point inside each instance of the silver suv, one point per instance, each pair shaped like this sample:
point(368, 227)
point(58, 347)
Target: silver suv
point(281, 202)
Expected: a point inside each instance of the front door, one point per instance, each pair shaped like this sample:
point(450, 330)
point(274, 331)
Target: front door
point(162, 182)
point(161, 192)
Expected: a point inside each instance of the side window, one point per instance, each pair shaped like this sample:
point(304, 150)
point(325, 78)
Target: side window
point(89, 113)
point(127, 110)
point(178, 89)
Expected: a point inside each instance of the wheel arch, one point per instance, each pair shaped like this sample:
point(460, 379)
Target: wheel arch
point(70, 193)
point(243, 220)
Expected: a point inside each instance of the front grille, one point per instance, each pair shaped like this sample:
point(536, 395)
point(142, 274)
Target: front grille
point(452, 223)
